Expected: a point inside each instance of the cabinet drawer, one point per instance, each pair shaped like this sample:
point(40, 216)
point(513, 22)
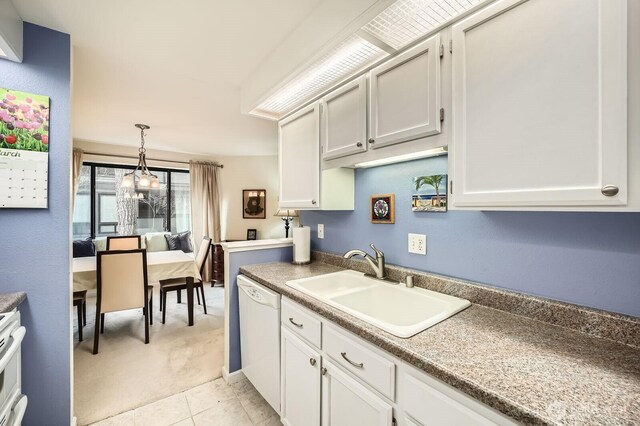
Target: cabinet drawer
point(377, 371)
point(302, 322)
point(429, 401)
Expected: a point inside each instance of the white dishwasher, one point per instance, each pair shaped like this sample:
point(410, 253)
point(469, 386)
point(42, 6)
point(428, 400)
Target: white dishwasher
point(260, 338)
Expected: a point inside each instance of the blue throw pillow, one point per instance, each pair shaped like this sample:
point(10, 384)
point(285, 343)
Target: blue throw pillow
point(84, 248)
point(185, 242)
point(173, 241)
point(181, 241)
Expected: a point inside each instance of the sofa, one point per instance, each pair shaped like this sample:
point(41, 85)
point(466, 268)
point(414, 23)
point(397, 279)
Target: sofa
point(152, 241)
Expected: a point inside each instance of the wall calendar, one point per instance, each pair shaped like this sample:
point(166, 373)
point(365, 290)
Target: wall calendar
point(24, 149)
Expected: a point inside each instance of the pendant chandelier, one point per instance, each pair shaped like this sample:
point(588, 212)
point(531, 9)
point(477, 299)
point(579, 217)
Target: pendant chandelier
point(141, 177)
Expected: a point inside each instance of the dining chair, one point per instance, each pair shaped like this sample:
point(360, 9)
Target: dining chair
point(80, 301)
point(122, 284)
point(179, 284)
point(123, 242)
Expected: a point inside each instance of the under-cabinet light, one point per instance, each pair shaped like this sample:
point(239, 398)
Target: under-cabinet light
point(4, 55)
point(404, 157)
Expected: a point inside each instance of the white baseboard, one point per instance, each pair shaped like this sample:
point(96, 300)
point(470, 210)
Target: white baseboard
point(231, 378)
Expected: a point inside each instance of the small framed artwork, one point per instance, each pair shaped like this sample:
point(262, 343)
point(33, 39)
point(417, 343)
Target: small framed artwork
point(252, 234)
point(254, 204)
point(430, 194)
point(382, 208)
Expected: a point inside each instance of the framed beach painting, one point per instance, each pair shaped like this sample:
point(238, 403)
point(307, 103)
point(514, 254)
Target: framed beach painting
point(430, 194)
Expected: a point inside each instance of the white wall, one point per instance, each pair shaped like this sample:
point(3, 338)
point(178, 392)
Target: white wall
point(246, 172)
point(250, 173)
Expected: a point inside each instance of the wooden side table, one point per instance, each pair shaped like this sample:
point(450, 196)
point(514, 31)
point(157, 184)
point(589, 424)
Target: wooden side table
point(217, 257)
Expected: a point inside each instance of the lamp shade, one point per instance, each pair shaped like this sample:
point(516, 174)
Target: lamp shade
point(286, 213)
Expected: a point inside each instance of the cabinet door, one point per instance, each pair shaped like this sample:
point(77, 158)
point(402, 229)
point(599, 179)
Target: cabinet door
point(299, 157)
point(539, 104)
point(300, 370)
point(344, 120)
point(405, 96)
point(345, 402)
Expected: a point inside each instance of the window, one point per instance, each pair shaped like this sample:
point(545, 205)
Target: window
point(82, 206)
point(180, 203)
point(103, 207)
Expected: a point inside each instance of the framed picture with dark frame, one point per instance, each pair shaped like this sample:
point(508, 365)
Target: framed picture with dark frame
point(252, 234)
point(254, 204)
point(382, 208)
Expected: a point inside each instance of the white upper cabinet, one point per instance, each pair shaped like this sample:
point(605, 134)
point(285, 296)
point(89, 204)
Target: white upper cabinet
point(344, 120)
point(405, 96)
point(302, 184)
point(540, 105)
point(299, 158)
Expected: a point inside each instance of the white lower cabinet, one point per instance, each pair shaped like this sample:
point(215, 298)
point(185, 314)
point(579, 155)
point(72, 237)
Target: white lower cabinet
point(345, 402)
point(331, 377)
point(428, 401)
point(300, 380)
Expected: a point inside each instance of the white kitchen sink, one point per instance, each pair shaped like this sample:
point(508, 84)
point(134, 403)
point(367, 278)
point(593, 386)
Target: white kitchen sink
point(394, 308)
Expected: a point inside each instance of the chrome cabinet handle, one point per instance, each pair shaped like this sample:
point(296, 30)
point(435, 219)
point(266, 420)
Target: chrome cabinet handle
point(323, 371)
point(314, 202)
point(359, 144)
point(312, 361)
point(295, 323)
point(609, 190)
point(355, 364)
point(371, 140)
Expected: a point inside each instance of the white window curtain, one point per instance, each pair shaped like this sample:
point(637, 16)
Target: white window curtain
point(76, 164)
point(205, 205)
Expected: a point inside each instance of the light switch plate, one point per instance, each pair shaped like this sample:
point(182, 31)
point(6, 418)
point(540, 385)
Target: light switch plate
point(417, 244)
point(320, 230)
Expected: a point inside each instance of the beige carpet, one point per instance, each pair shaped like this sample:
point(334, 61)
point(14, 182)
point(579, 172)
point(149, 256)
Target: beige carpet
point(127, 374)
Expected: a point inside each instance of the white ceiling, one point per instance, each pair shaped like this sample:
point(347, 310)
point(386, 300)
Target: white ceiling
point(177, 66)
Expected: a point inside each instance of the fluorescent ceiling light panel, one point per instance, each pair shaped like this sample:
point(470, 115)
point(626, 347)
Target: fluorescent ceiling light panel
point(404, 157)
point(399, 24)
point(408, 20)
point(347, 59)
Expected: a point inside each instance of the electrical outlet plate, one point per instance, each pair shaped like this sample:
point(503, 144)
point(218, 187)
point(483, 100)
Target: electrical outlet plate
point(320, 230)
point(417, 244)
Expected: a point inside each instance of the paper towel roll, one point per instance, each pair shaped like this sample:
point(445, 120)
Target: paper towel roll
point(302, 244)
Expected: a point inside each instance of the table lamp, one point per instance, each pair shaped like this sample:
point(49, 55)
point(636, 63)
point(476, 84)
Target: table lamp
point(287, 216)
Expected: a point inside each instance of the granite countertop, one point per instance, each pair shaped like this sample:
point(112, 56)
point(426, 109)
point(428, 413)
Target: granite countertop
point(10, 301)
point(535, 372)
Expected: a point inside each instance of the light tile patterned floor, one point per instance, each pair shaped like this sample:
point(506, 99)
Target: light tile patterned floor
point(213, 403)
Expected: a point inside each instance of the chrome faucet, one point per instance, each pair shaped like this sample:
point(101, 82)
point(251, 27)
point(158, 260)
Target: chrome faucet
point(377, 264)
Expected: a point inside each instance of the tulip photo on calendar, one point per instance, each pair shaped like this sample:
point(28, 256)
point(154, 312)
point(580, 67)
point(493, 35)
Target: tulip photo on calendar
point(24, 121)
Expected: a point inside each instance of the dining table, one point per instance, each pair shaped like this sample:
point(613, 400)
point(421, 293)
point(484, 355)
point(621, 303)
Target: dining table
point(161, 265)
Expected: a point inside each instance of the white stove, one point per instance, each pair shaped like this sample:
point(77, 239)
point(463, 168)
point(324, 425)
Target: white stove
point(12, 403)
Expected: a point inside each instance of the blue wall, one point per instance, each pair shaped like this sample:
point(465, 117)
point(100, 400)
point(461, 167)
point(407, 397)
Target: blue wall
point(35, 243)
point(236, 260)
point(590, 259)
